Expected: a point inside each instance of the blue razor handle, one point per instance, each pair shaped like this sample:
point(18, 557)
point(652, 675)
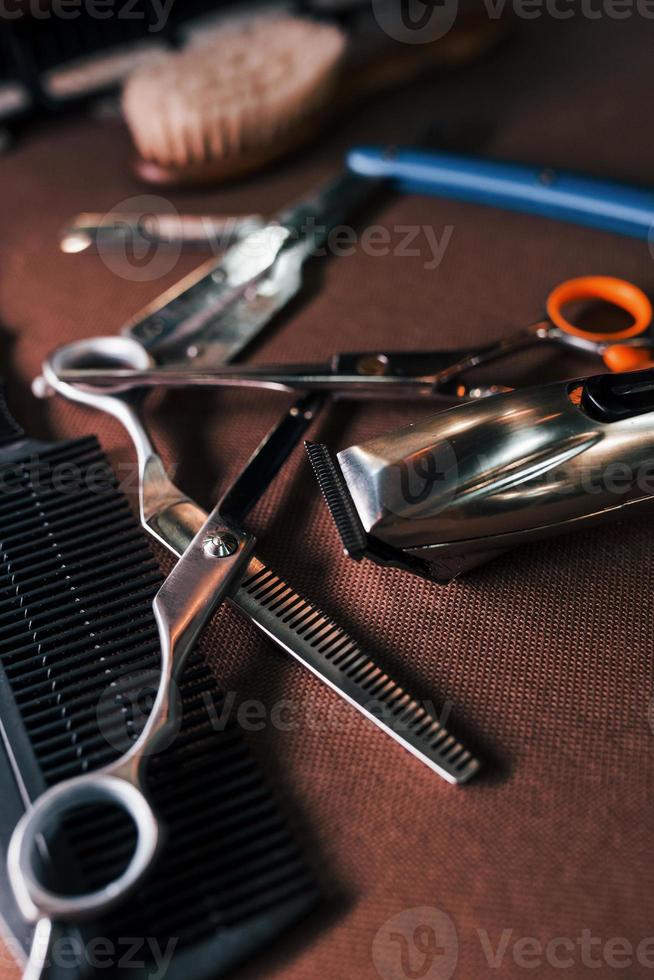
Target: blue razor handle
point(531, 190)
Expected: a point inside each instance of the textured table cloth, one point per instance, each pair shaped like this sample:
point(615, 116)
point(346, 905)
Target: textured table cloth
point(545, 655)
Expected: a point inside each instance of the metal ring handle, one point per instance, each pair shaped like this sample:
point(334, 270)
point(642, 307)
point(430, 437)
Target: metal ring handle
point(101, 352)
point(619, 292)
point(34, 898)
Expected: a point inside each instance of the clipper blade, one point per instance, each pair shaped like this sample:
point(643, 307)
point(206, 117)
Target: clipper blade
point(337, 495)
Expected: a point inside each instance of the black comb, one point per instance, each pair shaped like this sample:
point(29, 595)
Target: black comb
point(63, 61)
point(77, 630)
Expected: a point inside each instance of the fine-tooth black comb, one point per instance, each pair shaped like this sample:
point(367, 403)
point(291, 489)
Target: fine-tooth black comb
point(77, 630)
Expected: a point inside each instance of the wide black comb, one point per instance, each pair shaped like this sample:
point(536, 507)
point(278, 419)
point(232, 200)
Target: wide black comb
point(77, 581)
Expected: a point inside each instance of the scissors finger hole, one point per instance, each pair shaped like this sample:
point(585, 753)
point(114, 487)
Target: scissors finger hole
point(74, 864)
point(626, 300)
point(597, 316)
point(66, 824)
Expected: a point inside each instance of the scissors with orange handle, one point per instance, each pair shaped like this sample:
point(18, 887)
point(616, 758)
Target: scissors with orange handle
point(621, 350)
point(431, 374)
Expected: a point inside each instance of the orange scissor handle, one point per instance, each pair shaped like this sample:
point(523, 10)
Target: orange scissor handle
point(619, 292)
point(621, 357)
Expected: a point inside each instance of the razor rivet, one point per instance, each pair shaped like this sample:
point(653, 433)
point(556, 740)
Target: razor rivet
point(221, 545)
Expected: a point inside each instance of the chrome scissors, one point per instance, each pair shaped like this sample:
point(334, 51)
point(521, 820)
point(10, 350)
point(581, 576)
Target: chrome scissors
point(207, 571)
point(292, 622)
point(415, 374)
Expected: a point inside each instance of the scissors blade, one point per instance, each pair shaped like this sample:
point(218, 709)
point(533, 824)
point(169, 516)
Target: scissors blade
point(117, 231)
point(214, 313)
point(268, 458)
point(276, 378)
point(185, 314)
point(365, 374)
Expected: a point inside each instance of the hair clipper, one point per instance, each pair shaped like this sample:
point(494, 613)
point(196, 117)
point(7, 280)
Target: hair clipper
point(447, 494)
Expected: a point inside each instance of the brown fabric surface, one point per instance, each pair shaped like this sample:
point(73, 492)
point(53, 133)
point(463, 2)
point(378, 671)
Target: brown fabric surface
point(545, 654)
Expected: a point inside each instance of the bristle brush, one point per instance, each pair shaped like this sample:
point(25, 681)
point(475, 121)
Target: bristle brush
point(77, 638)
point(258, 87)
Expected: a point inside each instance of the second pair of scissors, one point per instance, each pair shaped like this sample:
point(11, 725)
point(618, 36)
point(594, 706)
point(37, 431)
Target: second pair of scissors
point(432, 374)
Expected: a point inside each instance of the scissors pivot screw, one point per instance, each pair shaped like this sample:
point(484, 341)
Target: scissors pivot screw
point(221, 545)
point(375, 364)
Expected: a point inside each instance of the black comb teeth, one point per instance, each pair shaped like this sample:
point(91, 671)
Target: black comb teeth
point(337, 495)
point(76, 584)
point(77, 630)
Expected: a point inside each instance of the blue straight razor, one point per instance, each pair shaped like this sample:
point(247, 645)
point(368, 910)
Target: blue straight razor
point(579, 199)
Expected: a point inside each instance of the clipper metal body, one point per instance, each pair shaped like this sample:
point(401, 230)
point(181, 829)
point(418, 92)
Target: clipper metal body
point(445, 495)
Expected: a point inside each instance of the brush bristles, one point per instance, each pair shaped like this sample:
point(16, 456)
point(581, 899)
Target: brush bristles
point(240, 88)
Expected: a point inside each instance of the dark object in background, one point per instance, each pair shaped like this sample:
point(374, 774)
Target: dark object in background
point(51, 62)
point(56, 63)
point(76, 622)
